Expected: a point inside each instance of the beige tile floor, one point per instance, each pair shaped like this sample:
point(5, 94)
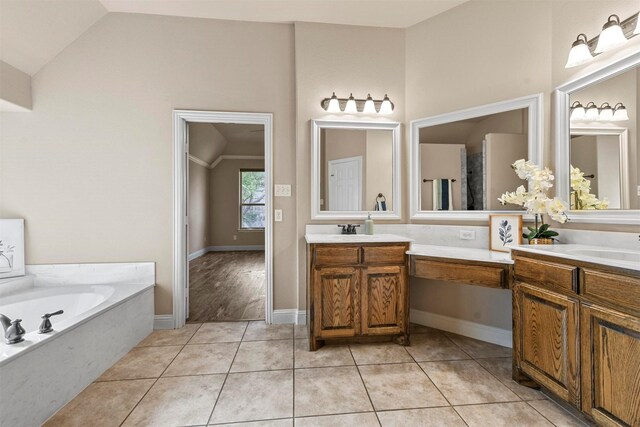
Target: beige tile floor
point(251, 374)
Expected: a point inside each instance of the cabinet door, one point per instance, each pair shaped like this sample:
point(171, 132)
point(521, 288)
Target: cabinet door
point(336, 301)
point(546, 340)
point(610, 366)
point(384, 300)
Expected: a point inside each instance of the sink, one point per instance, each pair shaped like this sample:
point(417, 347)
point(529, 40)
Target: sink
point(618, 255)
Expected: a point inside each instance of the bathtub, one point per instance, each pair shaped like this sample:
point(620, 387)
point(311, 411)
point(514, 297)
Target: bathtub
point(108, 309)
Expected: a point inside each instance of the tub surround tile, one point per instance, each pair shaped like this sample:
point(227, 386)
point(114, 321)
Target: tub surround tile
point(400, 386)
point(108, 273)
point(219, 332)
point(346, 420)
point(203, 359)
point(323, 391)
point(171, 336)
point(433, 417)
point(177, 401)
point(500, 367)
point(329, 355)
point(434, 346)
point(502, 415)
point(479, 349)
point(372, 354)
point(251, 396)
point(101, 404)
point(142, 362)
point(556, 414)
point(465, 382)
point(263, 356)
point(260, 331)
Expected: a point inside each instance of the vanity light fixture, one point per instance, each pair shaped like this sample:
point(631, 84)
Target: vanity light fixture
point(577, 111)
point(606, 112)
point(352, 105)
point(614, 34)
point(592, 113)
point(619, 113)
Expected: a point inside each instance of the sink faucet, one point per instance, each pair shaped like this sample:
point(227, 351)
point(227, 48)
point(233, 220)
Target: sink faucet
point(349, 228)
point(13, 330)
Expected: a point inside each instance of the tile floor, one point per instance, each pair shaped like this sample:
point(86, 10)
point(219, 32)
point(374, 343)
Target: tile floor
point(251, 374)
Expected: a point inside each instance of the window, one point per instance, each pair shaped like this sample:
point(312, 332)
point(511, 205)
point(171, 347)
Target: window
point(252, 197)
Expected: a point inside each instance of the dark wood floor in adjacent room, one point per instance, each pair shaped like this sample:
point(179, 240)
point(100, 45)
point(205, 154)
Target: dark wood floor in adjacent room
point(227, 286)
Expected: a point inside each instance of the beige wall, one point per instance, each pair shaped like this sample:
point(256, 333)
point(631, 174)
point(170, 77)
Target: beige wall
point(90, 169)
point(502, 149)
point(198, 207)
point(224, 199)
point(440, 161)
point(15, 87)
point(341, 144)
point(379, 168)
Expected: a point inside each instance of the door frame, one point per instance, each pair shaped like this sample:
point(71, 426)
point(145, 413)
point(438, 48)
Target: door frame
point(330, 163)
point(181, 119)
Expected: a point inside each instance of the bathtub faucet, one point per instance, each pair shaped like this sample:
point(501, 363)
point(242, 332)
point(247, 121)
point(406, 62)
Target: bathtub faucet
point(45, 326)
point(13, 330)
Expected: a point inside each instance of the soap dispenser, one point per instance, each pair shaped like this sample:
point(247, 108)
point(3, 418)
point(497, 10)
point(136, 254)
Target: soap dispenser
point(368, 225)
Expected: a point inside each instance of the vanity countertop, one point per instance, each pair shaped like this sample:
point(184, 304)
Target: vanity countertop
point(607, 256)
point(356, 238)
point(469, 254)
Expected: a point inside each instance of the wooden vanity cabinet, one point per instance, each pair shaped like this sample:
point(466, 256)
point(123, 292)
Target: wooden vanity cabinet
point(357, 290)
point(577, 333)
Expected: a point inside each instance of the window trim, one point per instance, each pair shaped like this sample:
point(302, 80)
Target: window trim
point(240, 204)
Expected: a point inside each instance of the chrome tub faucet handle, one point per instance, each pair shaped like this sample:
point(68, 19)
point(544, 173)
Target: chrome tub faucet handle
point(46, 326)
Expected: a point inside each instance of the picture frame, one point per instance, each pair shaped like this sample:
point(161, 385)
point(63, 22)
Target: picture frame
point(505, 232)
point(11, 248)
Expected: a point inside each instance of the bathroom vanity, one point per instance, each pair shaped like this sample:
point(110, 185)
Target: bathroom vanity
point(357, 286)
point(577, 328)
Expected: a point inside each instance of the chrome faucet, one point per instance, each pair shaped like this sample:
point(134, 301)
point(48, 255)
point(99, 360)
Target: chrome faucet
point(45, 326)
point(13, 330)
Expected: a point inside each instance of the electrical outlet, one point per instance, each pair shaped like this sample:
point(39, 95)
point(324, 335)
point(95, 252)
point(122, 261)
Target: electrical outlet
point(282, 190)
point(467, 235)
point(277, 215)
point(235, 237)
point(638, 190)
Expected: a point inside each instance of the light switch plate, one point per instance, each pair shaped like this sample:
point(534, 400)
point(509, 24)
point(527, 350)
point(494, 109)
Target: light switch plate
point(467, 235)
point(638, 190)
point(277, 215)
point(282, 190)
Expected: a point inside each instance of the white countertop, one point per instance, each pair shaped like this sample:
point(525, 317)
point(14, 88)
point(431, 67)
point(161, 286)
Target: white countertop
point(453, 252)
point(356, 238)
point(607, 256)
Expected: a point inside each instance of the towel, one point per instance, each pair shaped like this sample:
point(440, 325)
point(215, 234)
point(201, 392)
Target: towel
point(442, 195)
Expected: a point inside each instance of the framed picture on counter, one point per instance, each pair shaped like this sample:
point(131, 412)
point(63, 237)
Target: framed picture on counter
point(11, 248)
point(505, 231)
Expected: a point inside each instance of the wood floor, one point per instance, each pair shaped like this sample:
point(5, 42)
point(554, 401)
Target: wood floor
point(227, 286)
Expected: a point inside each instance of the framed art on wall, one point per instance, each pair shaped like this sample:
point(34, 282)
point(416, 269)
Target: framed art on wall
point(505, 231)
point(11, 247)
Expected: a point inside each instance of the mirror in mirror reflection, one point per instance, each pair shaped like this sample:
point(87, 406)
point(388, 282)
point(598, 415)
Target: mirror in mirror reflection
point(466, 165)
point(356, 172)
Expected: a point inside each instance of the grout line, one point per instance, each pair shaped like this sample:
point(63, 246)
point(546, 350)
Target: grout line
point(559, 407)
point(252, 421)
point(293, 407)
point(365, 386)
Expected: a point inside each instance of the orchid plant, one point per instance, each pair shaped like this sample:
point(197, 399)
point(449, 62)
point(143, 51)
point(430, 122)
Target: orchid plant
point(535, 199)
point(581, 197)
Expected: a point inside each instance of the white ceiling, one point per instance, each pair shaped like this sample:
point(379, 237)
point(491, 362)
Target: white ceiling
point(33, 32)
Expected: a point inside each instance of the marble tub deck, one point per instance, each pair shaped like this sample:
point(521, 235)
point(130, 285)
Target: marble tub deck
point(259, 375)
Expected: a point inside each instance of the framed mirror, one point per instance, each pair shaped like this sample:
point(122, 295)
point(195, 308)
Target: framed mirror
point(461, 161)
point(597, 154)
point(355, 170)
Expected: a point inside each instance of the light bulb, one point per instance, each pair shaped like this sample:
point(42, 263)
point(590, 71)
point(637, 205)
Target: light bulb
point(606, 112)
point(619, 113)
point(351, 105)
point(579, 53)
point(611, 35)
point(386, 107)
point(577, 111)
point(592, 112)
point(369, 106)
point(334, 104)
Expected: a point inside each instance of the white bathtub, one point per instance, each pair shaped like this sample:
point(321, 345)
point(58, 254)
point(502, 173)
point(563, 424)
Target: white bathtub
point(108, 309)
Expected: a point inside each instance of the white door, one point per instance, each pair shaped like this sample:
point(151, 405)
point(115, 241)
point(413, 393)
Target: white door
point(345, 184)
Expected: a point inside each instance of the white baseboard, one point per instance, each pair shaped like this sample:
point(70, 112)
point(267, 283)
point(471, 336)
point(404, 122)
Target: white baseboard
point(290, 315)
point(478, 331)
point(199, 253)
point(163, 321)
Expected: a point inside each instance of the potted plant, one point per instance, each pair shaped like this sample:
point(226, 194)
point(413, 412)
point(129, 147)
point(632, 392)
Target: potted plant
point(536, 201)
point(581, 197)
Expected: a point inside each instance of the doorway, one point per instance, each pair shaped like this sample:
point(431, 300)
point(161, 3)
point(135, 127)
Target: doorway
point(345, 184)
point(223, 265)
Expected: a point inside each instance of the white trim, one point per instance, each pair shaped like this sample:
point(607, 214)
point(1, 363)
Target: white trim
point(163, 321)
point(503, 337)
point(235, 248)
point(623, 141)
point(197, 254)
point(534, 105)
point(233, 157)
point(316, 126)
point(199, 161)
point(290, 316)
point(180, 273)
point(563, 152)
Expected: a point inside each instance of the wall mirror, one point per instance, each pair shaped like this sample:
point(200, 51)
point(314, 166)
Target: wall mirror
point(596, 144)
point(355, 169)
point(461, 161)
